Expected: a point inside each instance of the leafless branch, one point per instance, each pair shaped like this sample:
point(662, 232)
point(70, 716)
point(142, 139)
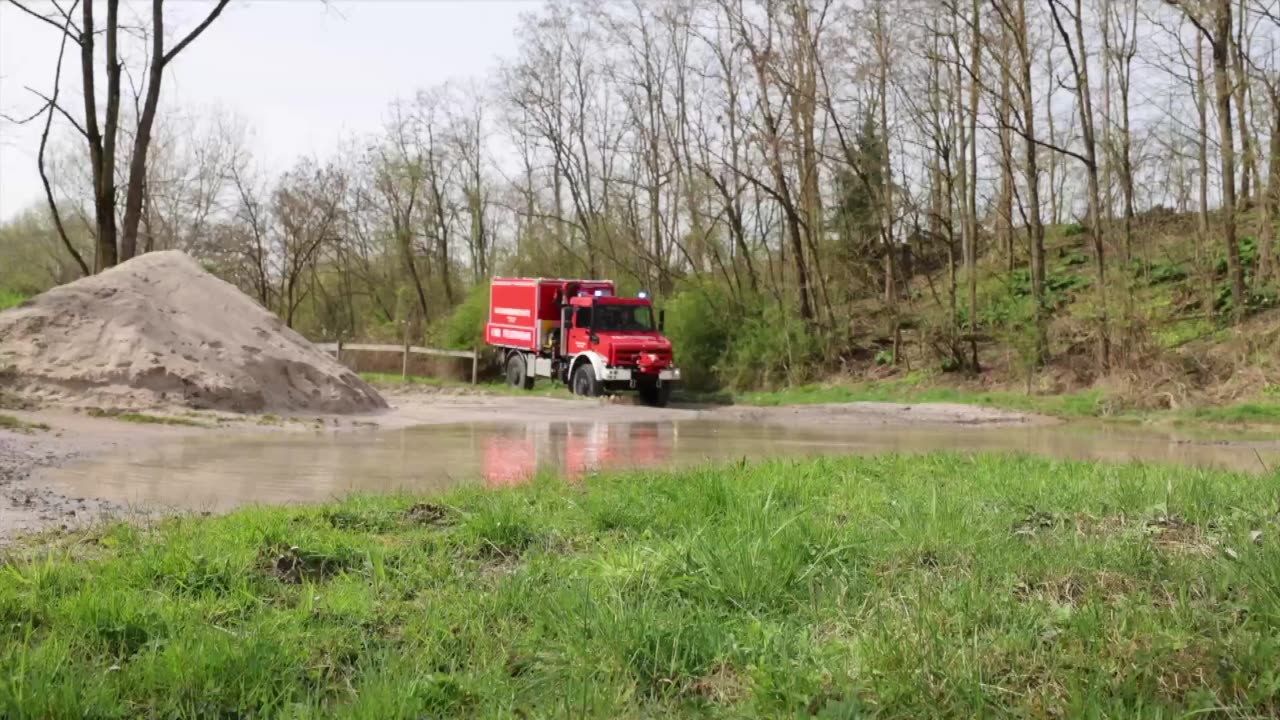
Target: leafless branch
point(64, 29)
point(51, 105)
point(195, 33)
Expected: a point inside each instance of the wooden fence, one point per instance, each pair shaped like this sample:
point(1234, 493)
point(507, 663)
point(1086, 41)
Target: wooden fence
point(405, 350)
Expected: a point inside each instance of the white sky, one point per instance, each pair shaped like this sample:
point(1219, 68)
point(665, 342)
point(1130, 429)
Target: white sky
point(302, 74)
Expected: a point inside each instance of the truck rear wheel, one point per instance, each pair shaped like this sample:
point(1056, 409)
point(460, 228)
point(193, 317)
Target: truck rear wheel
point(518, 372)
point(654, 394)
point(585, 382)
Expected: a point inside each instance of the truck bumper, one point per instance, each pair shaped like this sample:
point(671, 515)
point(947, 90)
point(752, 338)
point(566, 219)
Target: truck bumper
point(616, 375)
point(627, 374)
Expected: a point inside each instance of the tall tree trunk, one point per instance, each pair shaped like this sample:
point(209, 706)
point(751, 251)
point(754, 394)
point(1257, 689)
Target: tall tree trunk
point(1079, 59)
point(142, 140)
point(1107, 200)
point(1202, 155)
point(1248, 147)
point(1226, 145)
point(1125, 78)
point(975, 70)
point(103, 183)
point(1004, 207)
point(1035, 226)
point(1271, 200)
point(146, 121)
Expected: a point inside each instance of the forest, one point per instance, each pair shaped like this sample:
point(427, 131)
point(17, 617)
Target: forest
point(1069, 190)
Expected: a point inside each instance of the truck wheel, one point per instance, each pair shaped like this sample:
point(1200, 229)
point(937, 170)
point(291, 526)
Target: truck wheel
point(654, 394)
point(518, 372)
point(585, 382)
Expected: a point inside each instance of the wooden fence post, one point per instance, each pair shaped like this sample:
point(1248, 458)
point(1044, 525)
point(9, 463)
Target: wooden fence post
point(337, 355)
point(475, 360)
point(404, 366)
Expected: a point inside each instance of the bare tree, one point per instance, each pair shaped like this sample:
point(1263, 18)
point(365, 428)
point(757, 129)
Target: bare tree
point(1077, 54)
point(101, 138)
point(1217, 30)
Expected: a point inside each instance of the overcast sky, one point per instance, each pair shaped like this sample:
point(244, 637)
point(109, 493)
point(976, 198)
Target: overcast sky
point(301, 74)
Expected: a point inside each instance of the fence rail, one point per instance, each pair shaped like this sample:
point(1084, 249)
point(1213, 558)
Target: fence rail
point(406, 351)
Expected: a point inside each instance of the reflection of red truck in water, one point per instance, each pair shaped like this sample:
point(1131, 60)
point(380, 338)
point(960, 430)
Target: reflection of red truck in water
point(580, 333)
point(511, 458)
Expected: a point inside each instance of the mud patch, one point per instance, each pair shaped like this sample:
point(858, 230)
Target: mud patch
point(1073, 590)
point(293, 565)
point(1175, 535)
point(427, 513)
point(722, 686)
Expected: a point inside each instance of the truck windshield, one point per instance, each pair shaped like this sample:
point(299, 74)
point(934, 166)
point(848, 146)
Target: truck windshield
point(623, 318)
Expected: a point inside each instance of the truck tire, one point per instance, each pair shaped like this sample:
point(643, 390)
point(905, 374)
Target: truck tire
point(518, 372)
point(585, 382)
point(655, 394)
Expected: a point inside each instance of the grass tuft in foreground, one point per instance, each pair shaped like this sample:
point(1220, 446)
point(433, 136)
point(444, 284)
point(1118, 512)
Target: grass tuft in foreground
point(9, 422)
point(142, 418)
point(11, 299)
point(892, 587)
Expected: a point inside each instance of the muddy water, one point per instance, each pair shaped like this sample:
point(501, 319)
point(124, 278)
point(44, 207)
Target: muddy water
point(220, 472)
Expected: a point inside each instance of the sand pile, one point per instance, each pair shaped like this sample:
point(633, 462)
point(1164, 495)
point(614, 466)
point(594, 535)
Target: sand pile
point(159, 330)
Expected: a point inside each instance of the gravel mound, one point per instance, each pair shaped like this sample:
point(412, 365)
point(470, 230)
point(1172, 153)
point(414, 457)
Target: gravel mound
point(159, 330)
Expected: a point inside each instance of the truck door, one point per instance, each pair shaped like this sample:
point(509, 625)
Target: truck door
point(580, 335)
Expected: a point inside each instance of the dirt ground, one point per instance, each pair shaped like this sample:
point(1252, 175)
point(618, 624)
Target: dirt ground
point(27, 506)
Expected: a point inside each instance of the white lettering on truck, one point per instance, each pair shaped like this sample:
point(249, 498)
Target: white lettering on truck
point(507, 334)
point(512, 312)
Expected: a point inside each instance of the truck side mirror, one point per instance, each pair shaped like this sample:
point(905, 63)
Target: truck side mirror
point(662, 321)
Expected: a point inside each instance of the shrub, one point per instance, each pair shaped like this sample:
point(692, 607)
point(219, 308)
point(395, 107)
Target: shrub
point(463, 329)
point(700, 330)
point(770, 348)
point(749, 342)
point(11, 298)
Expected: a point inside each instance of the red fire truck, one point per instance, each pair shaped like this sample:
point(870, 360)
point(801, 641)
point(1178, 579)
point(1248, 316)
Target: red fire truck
point(581, 333)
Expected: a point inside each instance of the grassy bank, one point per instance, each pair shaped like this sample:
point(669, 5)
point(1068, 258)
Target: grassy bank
point(1082, 404)
point(1264, 411)
point(11, 298)
point(893, 587)
point(1090, 403)
point(9, 422)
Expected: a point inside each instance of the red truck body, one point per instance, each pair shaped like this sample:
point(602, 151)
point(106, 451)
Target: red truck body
point(581, 333)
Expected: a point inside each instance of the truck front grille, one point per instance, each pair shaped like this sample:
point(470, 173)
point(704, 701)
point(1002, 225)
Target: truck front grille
point(631, 358)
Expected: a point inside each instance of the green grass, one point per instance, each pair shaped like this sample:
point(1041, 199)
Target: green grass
point(1077, 405)
point(1090, 403)
point(901, 587)
point(9, 299)
point(9, 422)
point(1255, 413)
point(142, 418)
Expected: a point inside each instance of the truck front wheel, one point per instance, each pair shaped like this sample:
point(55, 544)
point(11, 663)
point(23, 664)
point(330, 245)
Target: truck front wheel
point(518, 372)
point(585, 382)
point(654, 394)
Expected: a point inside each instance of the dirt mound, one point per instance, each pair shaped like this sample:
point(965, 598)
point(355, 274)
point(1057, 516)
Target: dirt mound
point(159, 330)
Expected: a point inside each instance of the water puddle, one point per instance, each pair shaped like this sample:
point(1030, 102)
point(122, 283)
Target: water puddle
point(220, 472)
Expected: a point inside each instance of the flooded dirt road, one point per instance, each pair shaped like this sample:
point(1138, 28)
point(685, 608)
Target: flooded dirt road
point(211, 460)
point(218, 472)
